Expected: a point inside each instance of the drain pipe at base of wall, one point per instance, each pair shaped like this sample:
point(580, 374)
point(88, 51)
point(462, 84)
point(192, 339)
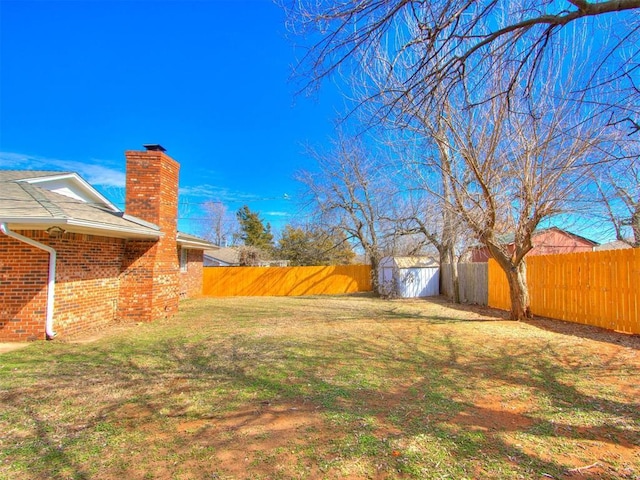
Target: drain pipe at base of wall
point(52, 275)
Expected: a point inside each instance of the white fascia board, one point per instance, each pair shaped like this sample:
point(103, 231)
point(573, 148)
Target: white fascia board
point(31, 222)
point(194, 244)
point(186, 240)
point(79, 226)
point(115, 230)
point(79, 183)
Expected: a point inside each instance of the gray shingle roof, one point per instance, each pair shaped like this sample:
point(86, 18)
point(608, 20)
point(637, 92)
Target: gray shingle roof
point(614, 245)
point(29, 206)
point(227, 255)
point(25, 205)
point(13, 175)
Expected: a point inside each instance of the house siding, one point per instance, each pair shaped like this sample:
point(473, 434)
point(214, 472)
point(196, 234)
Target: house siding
point(97, 283)
point(87, 281)
point(553, 242)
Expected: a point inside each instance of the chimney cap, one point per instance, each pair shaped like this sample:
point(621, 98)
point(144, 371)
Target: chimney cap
point(154, 147)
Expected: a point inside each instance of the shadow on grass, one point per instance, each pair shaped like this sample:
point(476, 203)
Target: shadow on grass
point(400, 402)
point(579, 330)
point(588, 332)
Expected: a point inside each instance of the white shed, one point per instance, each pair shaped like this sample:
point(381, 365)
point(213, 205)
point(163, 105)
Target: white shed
point(409, 277)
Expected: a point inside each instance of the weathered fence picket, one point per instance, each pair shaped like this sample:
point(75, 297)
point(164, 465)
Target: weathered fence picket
point(473, 280)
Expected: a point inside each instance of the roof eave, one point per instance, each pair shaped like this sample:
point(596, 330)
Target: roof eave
point(194, 244)
point(81, 226)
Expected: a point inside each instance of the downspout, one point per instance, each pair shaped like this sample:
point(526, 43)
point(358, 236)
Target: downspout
point(52, 275)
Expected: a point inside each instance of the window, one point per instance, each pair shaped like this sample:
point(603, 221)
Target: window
point(183, 260)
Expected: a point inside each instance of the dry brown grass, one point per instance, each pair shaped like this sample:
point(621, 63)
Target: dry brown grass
point(325, 387)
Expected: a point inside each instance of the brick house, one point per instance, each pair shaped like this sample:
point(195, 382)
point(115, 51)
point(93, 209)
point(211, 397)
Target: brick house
point(71, 261)
point(548, 241)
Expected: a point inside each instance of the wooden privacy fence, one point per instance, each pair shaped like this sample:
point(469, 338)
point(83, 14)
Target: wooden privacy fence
point(285, 281)
point(594, 288)
point(473, 281)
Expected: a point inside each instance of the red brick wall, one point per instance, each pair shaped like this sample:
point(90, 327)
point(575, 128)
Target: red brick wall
point(86, 289)
point(135, 302)
point(87, 281)
point(152, 195)
point(23, 290)
point(191, 280)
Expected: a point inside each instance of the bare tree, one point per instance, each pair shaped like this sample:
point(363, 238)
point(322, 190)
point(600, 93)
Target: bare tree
point(251, 256)
point(454, 43)
point(502, 167)
point(218, 225)
point(618, 189)
point(350, 190)
point(514, 143)
point(511, 169)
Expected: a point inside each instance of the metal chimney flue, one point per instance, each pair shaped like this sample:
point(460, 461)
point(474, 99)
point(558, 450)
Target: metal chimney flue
point(154, 147)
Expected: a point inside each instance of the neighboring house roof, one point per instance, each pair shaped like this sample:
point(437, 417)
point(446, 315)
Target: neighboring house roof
point(410, 262)
point(228, 256)
point(38, 200)
point(509, 238)
point(615, 245)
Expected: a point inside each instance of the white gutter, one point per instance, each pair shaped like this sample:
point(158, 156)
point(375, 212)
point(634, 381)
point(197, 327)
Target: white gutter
point(103, 229)
point(52, 275)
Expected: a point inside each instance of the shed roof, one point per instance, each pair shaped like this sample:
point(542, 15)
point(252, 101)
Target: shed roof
point(411, 262)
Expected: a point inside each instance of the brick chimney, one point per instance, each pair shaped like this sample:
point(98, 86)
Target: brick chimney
point(150, 273)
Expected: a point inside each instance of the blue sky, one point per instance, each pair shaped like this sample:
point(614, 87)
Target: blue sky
point(83, 81)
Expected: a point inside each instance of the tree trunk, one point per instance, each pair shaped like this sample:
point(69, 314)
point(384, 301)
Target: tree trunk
point(456, 281)
point(375, 266)
point(443, 260)
point(517, 279)
point(451, 258)
point(519, 292)
point(447, 256)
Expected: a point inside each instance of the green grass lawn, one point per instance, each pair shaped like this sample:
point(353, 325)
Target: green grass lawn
point(324, 387)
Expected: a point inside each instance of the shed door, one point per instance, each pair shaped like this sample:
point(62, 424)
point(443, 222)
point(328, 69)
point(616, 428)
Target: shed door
point(419, 282)
point(385, 278)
